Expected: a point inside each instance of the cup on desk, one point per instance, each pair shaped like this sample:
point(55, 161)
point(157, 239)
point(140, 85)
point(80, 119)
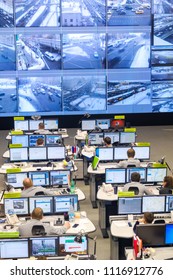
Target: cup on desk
point(130, 218)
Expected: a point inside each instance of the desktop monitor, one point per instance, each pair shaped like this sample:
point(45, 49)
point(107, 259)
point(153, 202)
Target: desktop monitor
point(155, 204)
point(88, 125)
point(151, 234)
point(169, 203)
point(127, 137)
point(117, 123)
point(56, 153)
point(33, 139)
point(18, 154)
point(18, 206)
point(120, 153)
point(129, 205)
point(14, 248)
point(115, 175)
point(59, 177)
point(168, 234)
point(53, 139)
point(39, 178)
point(95, 162)
point(142, 152)
point(105, 154)
point(37, 153)
point(95, 138)
point(21, 125)
point(156, 174)
point(140, 170)
point(103, 123)
point(43, 246)
point(51, 124)
point(34, 124)
point(20, 139)
point(62, 203)
point(44, 202)
point(115, 136)
point(67, 245)
point(16, 179)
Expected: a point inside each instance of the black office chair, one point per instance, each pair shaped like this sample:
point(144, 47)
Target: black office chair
point(131, 165)
point(159, 221)
point(38, 230)
point(39, 193)
point(134, 189)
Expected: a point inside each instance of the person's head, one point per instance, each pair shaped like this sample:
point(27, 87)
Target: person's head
point(27, 183)
point(131, 153)
point(37, 213)
point(168, 181)
point(107, 141)
point(41, 125)
point(148, 217)
point(40, 142)
point(135, 177)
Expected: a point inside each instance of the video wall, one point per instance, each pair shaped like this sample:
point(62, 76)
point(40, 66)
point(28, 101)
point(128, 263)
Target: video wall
point(69, 57)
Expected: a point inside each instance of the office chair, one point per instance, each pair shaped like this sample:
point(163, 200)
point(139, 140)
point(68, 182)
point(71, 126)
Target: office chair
point(38, 230)
point(134, 189)
point(131, 165)
point(159, 221)
point(39, 193)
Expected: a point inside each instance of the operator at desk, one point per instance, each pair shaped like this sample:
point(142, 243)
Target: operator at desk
point(41, 129)
point(136, 186)
point(37, 216)
point(131, 159)
point(167, 185)
point(30, 190)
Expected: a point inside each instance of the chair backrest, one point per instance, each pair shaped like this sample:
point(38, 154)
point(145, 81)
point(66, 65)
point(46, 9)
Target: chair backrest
point(38, 230)
point(134, 189)
point(39, 193)
point(131, 165)
point(159, 221)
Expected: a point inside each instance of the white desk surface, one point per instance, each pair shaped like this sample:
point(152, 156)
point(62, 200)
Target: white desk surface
point(161, 253)
point(106, 196)
point(80, 137)
point(121, 229)
point(79, 192)
point(87, 154)
point(8, 137)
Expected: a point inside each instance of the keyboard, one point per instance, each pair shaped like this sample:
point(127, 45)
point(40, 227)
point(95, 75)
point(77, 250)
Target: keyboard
point(42, 165)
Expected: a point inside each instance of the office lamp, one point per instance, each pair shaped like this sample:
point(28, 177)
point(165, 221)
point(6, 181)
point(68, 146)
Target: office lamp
point(78, 239)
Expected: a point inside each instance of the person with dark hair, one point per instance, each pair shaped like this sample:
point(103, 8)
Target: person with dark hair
point(30, 190)
point(135, 182)
point(107, 142)
point(41, 129)
point(148, 218)
point(130, 160)
point(167, 185)
point(40, 142)
point(37, 216)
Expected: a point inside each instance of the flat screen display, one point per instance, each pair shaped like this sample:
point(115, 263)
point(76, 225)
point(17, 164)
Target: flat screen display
point(127, 137)
point(16, 179)
point(62, 203)
point(21, 125)
point(169, 203)
point(59, 177)
point(51, 124)
point(103, 123)
point(20, 139)
point(14, 248)
point(53, 139)
point(115, 175)
point(140, 170)
point(55, 153)
point(33, 124)
point(155, 204)
point(43, 246)
point(129, 205)
point(88, 124)
point(95, 138)
point(18, 154)
point(33, 139)
point(39, 178)
point(68, 245)
point(44, 202)
point(18, 206)
point(168, 234)
point(37, 153)
point(105, 154)
point(115, 136)
point(156, 175)
point(151, 234)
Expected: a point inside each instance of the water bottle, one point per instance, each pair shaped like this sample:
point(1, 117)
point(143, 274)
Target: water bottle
point(72, 187)
point(71, 213)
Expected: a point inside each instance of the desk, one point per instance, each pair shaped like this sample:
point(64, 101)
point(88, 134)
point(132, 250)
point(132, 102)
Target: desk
point(161, 253)
point(64, 135)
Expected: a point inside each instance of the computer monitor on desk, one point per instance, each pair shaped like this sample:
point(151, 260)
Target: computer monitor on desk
point(156, 175)
point(169, 234)
point(140, 170)
point(95, 138)
point(43, 246)
point(21, 125)
point(34, 124)
point(20, 139)
point(44, 202)
point(67, 245)
point(56, 153)
point(18, 206)
point(18, 154)
point(113, 135)
point(33, 139)
point(37, 153)
point(169, 203)
point(141, 153)
point(129, 205)
point(103, 123)
point(53, 139)
point(62, 203)
point(60, 178)
point(105, 154)
point(151, 234)
point(51, 124)
point(154, 203)
point(88, 124)
point(127, 137)
point(115, 176)
point(16, 179)
point(14, 248)
point(39, 178)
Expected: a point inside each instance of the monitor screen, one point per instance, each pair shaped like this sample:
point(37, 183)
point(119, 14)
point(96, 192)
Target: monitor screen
point(169, 203)
point(44, 202)
point(103, 123)
point(127, 137)
point(62, 203)
point(105, 154)
point(156, 175)
point(20, 139)
point(142, 152)
point(115, 136)
point(43, 246)
point(18, 154)
point(21, 125)
point(120, 153)
point(151, 234)
point(115, 175)
point(14, 248)
point(18, 206)
point(53, 139)
point(39, 178)
point(117, 123)
point(155, 204)
point(140, 170)
point(56, 153)
point(51, 124)
point(33, 124)
point(37, 153)
point(168, 234)
point(33, 139)
point(16, 179)
point(88, 124)
point(68, 245)
point(129, 205)
point(59, 177)
point(95, 138)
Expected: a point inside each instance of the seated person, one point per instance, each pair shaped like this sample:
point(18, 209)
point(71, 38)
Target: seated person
point(167, 185)
point(135, 182)
point(107, 142)
point(130, 161)
point(148, 218)
point(30, 190)
point(37, 216)
point(41, 129)
point(40, 142)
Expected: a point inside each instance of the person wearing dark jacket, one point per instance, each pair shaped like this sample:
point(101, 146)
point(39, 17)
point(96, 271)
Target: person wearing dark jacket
point(167, 185)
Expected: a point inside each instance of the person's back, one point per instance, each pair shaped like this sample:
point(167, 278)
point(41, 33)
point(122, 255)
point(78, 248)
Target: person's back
point(167, 185)
point(29, 190)
point(131, 160)
point(41, 129)
point(107, 142)
point(148, 218)
point(135, 182)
